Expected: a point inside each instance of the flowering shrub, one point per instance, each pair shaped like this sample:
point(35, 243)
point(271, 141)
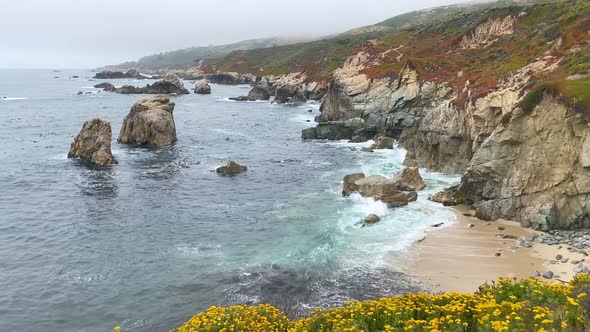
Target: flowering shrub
point(506, 305)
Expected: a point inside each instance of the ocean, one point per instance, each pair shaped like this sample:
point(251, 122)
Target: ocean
point(149, 242)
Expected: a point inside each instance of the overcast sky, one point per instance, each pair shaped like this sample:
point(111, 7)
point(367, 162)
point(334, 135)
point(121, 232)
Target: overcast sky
point(90, 33)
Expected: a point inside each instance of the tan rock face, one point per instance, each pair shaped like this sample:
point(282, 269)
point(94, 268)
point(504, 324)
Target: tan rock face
point(409, 179)
point(383, 142)
point(93, 143)
point(487, 32)
point(150, 122)
point(534, 170)
point(371, 219)
point(450, 197)
point(383, 189)
point(348, 184)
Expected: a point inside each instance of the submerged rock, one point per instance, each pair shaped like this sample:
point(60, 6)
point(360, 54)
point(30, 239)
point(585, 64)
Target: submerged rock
point(371, 219)
point(232, 168)
point(450, 197)
point(202, 87)
point(150, 122)
point(409, 179)
point(240, 98)
point(93, 143)
point(348, 184)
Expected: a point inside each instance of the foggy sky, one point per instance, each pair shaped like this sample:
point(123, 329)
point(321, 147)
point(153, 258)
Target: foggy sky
point(90, 33)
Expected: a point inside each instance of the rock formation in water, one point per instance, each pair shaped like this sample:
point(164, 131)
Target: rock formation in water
point(107, 87)
point(93, 143)
point(377, 187)
point(150, 122)
point(170, 84)
point(371, 219)
point(108, 74)
point(202, 87)
point(232, 168)
point(348, 184)
point(382, 142)
point(409, 179)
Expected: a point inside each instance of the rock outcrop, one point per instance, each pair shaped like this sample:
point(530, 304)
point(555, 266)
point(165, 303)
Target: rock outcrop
point(377, 187)
point(487, 32)
point(170, 84)
point(382, 142)
point(107, 87)
point(534, 169)
point(371, 219)
point(409, 179)
point(109, 74)
point(93, 143)
point(348, 184)
point(150, 122)
point(232, 168)
point(450, 197)
point(202, 87)
point(258, 93)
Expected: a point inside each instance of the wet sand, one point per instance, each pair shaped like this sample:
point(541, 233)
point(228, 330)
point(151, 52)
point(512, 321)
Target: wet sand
point(462, 256)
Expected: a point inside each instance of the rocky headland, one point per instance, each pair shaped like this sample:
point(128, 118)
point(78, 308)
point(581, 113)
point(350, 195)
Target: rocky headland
point(524, 151)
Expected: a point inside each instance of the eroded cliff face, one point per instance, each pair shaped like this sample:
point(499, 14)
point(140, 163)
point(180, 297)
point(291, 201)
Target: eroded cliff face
point(437, 132)
point(534, 169)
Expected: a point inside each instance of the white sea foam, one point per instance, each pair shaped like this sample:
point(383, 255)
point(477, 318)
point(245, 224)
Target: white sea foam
point(13, 98)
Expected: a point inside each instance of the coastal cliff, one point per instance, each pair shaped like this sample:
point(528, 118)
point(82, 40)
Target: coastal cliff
point(462, 115)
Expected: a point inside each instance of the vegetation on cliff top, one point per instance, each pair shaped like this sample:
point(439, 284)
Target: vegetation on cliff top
point(507, 305)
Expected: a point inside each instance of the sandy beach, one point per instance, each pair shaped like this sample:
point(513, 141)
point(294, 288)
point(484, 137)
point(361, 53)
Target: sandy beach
point(470, 252)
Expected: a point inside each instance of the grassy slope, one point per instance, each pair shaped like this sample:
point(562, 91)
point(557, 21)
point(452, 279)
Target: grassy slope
point(320, 58)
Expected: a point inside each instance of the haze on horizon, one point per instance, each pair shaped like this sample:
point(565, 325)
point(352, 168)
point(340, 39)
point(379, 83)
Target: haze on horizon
point(86, 34)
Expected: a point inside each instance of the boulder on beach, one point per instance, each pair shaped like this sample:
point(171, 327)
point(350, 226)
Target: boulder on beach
point(371, 219)
point(93, 143)
point(232, 168)
point(202, 87)
point(383, 142)
point(450, 197)
point(348, 184)
point(149, 122)
point(105, 87)
point(409, 179)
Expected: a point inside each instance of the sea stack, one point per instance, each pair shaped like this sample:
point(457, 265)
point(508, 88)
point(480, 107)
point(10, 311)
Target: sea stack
point(202, 87)
point(149, 122)
point(93, 143)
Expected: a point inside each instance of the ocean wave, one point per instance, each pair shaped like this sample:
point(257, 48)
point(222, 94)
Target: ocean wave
point(13, 98)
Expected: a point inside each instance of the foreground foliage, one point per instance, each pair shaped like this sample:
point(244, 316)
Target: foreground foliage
point(506, 305)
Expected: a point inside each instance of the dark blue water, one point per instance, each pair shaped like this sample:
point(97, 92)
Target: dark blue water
point(148, 242)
